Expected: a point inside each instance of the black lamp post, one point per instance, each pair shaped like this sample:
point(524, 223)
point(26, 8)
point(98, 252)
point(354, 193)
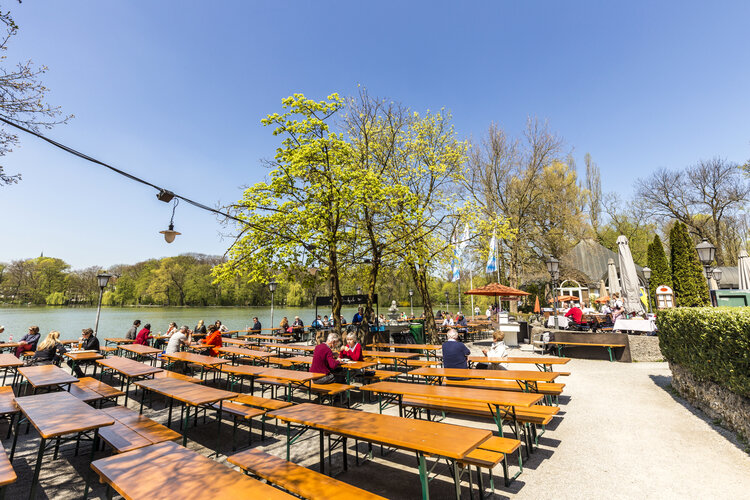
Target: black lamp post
point(647, 277)
point(272, 287)
point(553, 268)
point(103, 279)
point(411, 305)
point(706, 252)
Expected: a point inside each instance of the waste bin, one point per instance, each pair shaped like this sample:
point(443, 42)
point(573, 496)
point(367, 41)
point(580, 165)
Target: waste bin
point(417, 332)
point(523, 332)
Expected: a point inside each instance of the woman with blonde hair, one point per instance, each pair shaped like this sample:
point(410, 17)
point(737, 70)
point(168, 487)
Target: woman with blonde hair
point(49, 351)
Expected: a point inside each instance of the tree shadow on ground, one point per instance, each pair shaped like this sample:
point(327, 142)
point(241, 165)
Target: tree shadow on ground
point(664, 382)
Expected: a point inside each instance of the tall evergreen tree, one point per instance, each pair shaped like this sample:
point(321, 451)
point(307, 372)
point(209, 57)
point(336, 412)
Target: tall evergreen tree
point(660, 273)
point(689, 283)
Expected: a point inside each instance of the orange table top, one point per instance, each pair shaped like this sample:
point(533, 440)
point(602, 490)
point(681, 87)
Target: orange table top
point(7, 360)
point(140, 349)
point(239, 351)
point(421, 347)
point(58, 413)
point(529, 360)
point(289, 375)
point(249, 370)
point(488, 396)
point(236, 341)
point(187, 392)
point(165, 476)
point(388, 354)
point(9, 345)
point(83, 355)
point(524, 375)
point(196, 358)
point(128, 367)
point(119, 340)
point(46, 375)
point(404, 433)
point(293, 347)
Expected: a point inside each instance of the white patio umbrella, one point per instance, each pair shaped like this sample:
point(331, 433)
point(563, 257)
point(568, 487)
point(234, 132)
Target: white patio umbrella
point(743, 267)
point(631, 291)
point(614, 283)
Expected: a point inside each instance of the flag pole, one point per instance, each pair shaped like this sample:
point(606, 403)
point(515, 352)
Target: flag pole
point(471, 285)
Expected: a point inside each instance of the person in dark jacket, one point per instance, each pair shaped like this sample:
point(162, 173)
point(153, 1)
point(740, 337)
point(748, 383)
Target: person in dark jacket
point(133, 332)
point(89, 342)
point(49, 351)
point(257, 327)
point(28, 342)
point(455, 354)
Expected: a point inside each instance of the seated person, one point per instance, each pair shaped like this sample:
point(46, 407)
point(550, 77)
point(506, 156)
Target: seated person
point(181, 338)
point(326, 322)
point(575, 314)
point(133, 331)
point(201, 327)
point(353, 349)
point(298, 326)
point(213, 341)
point(284, 325)
point(497, 350)
point(455, 353)
point(89, 342)
point(324, 362)
point(605, 309)
point(358, 317)
point(257, 327)
point(317, 323)
point(144, 335)
point(28, 342)
point(49, 351)
point(461, 324)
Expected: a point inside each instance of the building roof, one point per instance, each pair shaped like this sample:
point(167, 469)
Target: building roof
point(590, 258)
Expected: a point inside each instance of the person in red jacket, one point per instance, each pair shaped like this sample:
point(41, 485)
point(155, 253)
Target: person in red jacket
point(353, 349)
point(213, 340)
point(324, 362)
point(575, 314)
point(144, 335)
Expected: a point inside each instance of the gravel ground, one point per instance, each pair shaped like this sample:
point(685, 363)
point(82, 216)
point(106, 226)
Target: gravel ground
point(621, 434)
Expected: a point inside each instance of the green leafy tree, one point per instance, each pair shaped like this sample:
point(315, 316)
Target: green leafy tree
point(660, 271)
point(302, 214)
point(690, 287)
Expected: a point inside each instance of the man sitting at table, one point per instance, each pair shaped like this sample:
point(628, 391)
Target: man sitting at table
point(213, 341)
point(89, 342)
point(257, 327)
point(575, 314)
point(180, 338)
point(324, 362)
point(28, 342)
point(455, 354)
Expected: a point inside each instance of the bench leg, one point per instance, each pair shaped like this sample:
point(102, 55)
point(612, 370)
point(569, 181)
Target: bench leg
point(610, 353)
point(423, 477)
point(322, 453)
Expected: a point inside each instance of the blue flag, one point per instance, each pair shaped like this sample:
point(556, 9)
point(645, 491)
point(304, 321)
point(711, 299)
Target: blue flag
point(492, 259)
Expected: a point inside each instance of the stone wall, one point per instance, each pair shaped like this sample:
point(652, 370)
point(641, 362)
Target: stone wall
point(645, 348)
point(714, 400)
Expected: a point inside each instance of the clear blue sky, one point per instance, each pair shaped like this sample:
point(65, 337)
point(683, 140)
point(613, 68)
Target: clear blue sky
point(174, 91)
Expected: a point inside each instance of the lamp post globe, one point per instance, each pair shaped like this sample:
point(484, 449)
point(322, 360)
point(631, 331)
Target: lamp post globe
point(102, 280)
point(717, 272)
point(706, 252)
point(411, 304)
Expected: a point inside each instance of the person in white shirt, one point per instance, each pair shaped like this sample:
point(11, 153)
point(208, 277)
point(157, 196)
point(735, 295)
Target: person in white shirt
point(488, 313)
point(497, 350)
point(605, 309)
point(179, 338)
point(448, 321)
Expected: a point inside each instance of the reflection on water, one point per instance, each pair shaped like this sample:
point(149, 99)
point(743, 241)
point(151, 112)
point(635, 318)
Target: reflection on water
point(115, 321)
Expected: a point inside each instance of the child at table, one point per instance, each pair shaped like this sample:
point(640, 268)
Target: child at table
point(353, 349)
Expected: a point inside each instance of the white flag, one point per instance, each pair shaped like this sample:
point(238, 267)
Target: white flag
point(464, 242)
point(492, 259)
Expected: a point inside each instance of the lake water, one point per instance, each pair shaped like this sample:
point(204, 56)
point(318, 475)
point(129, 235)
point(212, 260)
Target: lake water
point(115, 321)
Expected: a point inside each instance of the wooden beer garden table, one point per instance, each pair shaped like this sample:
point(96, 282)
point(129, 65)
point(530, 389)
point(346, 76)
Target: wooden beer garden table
point(236, 342)
point(291, 347)
point(240, 372)
point(349, 366)
point(422, 437)
point(83, 356)
point(245, 353)
point(142, 351)
point(500, 403)
point(128, 369)
point(268, 338)
point(9, 362)
point(46, 376)
point(427, 348)
point(8, 345)
point(526, 379)
point(190, 394)
point(118, 340)
point(205, 362)
point(542, 364)
point(173, 471)
point(395, 356)
point(294, 379)
point(54, 415)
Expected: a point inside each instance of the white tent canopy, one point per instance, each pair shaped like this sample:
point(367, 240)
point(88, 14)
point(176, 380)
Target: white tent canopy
point(743, 267)
point(614, 282)
point(631, 291)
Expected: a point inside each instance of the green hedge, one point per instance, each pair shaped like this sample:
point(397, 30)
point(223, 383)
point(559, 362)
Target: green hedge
point(712, 342)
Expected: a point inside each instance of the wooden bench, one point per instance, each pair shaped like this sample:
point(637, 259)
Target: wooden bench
point(561, 345)
point(178, 376)
point(132, 430)
point(284, 363)
point(7, 474)
point(91, 390)
point(546, 388)
point(329, 390)
point(240, 412)
point(421, 363)
point(264, 404)
point(296, 479)
point(8, 407)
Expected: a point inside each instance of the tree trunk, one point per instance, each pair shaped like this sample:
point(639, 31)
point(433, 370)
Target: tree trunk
point(335, 290)
point(419, 274)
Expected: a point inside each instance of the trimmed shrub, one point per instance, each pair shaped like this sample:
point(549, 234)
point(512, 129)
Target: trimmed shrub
point(712, 342)
point(660, 272)
point(688, 280)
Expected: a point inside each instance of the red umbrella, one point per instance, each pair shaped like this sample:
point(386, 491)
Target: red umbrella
point(497, 290)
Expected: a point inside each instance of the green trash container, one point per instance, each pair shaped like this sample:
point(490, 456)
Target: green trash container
point(417, 331)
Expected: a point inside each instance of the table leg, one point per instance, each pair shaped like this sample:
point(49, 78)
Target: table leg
point(38, 467)
point(127, 390)
point(185, 424)
point(169, 418)
point(218, 424)
point(423, 477)
point(15, 435)
point(457, 479)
